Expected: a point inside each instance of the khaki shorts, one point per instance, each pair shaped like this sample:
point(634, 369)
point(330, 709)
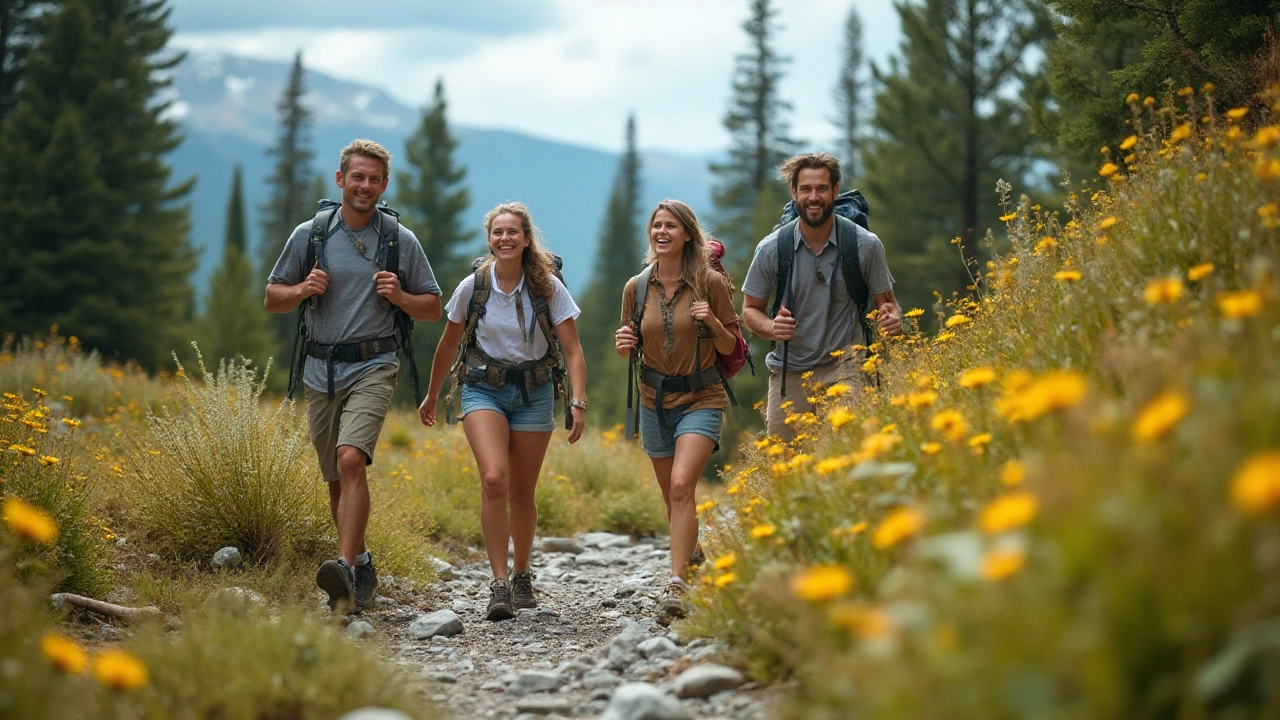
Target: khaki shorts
point(798, 395)
point(353, 417)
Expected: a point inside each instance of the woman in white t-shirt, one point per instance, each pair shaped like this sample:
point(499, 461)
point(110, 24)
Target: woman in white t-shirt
point(508, 388)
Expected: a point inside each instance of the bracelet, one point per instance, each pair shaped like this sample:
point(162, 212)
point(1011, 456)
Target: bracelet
point(579, 403)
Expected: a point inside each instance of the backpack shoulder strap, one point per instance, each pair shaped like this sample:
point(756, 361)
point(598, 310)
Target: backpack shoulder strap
point(786, 258)
point(850, 264)
point(389, 242)
point(642, 295)
point(322, 228)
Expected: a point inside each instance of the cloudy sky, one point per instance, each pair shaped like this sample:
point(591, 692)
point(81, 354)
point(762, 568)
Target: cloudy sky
point(565, 69)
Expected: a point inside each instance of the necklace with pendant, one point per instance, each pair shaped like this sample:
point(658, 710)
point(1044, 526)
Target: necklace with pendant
point(357, 242)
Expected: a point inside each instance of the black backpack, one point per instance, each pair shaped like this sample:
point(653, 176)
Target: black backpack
point(387, 258)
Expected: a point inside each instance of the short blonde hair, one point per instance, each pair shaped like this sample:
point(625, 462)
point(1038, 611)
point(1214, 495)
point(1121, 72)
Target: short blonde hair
point(369, 149)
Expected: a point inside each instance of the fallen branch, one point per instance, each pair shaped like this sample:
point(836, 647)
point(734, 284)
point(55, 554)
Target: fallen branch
point(129, 614)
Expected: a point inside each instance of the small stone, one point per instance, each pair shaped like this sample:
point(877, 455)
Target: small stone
point(609, 603)
point(658, 647)
point(461, 606)
point(121, 595)
point(494, 686)
point(642, 701)
point(703, 681)
point(375, 714)
point(605, 540)
point(358, 629)
point(543, 706)
point(440, 622)
point(599, 678)
point(532, 681)
point(121, 542)
point(227, 557)
point(110, 633)
point(591, 558)
point(560, 545)
point(443, 570)
point(444, 677)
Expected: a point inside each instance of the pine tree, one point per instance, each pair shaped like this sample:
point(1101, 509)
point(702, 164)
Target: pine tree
point(431, 197)
point(17, 32)
point(618, 257)
point(93, 235)
point(234, 323)
point(849, 92)
point(291, 184)
point(1110, 49)
point(760, 141)
point(946, 128)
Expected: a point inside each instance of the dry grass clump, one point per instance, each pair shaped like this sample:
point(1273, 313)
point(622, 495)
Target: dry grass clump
point(1066, 503)
point(77, 381)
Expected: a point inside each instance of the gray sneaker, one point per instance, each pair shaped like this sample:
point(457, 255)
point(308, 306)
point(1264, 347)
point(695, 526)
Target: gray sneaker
point(673, 603)
point(336, 578)
point(522, 591)
point(499, 601)
point(366, 584)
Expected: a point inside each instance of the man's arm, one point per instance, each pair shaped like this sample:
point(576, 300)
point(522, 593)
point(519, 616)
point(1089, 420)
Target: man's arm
point(890, 316)
point(424, 307)
point(780, 328)
point(283, 298)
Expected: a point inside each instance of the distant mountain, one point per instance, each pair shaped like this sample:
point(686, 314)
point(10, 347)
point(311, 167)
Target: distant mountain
point(227, 108)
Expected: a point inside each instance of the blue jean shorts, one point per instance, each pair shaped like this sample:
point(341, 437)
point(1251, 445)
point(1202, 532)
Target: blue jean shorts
point(660, 441)
point(508, 400)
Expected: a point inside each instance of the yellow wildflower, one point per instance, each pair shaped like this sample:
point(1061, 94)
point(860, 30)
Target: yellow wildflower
point(1010, 216)
point(23, 450)
point(1107, 223)
point(839, 417)
point(879, 444)
point(119, 670)
point(1148, 102)
point(921, 399)
point(838, 389)
point(1267, 170)
point(1267, 135)
point(999, 564)
point(1237, 113)
point(1132, 99)
point(867, 623)
point(1053, 391)
point(977, 377)
point(1197, 273)
point(943, 337)
point(1165, 290)
point(725, 579)
point(869, 367)
point(823, 583)
point(64, 654)
point(1159, 416)
point(1208, 87)
point(897, 526)
point(978, 442)
point(1180, 133)
point(705, 506)
point(760, 532)
point(763, 443)
point(1044, 244)
point(724, 562)
point(29, 521)
point(1240, 304)
point(913, 313)
point(957, 321)
point(1013, 473)
point(1067, 276)
point(930, 448)
point(1187, 91)
point(951, 424)
point(1255, 488)
point(1108, 170)
point(49, 460)
point(1008, 512)
point(776, 450)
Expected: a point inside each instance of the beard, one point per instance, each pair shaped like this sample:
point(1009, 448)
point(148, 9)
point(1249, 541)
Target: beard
point(826, 215)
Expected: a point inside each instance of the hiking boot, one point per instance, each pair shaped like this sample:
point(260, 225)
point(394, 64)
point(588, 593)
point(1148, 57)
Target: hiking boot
point(673, 603)
point(336, 578)
point(522, 591)
point(366, 584)
point(499, 601)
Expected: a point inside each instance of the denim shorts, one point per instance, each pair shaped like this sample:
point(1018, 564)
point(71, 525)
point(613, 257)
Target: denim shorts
point(660, 441)
point(508, 400)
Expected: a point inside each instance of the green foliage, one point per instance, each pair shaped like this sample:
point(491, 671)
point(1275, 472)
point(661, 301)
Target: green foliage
point(292, 189)
point(92, 232)
point(234, 324)
point(760, 140)
point(945, 130)
point(618, 257)
point(17, 18)
point(78, 382)
point(219, 468)
point(1107, 50)
point(849, 98)
point(37, 465)
point(1089, 539)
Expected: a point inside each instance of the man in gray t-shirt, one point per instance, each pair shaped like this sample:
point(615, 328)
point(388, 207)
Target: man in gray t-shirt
point(351, 363)
point(820, 317)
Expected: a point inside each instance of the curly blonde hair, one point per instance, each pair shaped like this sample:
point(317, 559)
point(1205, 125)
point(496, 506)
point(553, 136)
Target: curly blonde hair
point(539, 266)
point(696, 270)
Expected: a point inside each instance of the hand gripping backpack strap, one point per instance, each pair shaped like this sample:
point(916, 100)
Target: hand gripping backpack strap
point(782, 289)
point(389, 260)
point(633, 363)
point(475, 311)
point(320, 234)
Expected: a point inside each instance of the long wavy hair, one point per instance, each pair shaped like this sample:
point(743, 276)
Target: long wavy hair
point(696, 266)
point(537, 261)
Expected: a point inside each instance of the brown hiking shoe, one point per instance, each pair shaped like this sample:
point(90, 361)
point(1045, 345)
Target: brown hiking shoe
point(499, 601)
point(673, 603)
point(522, 591)
point(336, 578)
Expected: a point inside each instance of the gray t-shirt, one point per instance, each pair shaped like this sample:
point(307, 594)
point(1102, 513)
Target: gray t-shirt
point(351, 309)
point(501, 333)
point(822, 307)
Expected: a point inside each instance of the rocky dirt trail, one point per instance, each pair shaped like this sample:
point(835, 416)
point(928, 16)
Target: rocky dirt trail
point(592, 649)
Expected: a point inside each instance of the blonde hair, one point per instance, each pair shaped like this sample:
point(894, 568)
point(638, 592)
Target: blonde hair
point(696, 265)
point(789, 171)
point(369, 149)
point(537, 261)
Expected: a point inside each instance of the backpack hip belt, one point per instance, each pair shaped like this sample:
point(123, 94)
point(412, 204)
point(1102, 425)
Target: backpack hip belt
point(480, 368)
point(348, 352)
point(663, 384)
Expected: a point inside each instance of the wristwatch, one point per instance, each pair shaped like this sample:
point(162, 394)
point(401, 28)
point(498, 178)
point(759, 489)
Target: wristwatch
point(579, 403)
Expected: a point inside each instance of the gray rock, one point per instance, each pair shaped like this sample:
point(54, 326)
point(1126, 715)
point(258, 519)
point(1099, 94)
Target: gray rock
point(658, 647)
point(706, 680)
point(375, 714)
point(622, 651)
point(358, 629)
point(605, 540)
point(121, 595)
point(122, 542)
point(531, 681)
point(591, 558)
point(543, 706)
point(461, 606)
point(443, 570)
point(599, 678)
point(494, 686)
point(110, 633)
point(560, 545)
point(443, 677)
point(642, 701)
point(440, 622)
point(227, 557)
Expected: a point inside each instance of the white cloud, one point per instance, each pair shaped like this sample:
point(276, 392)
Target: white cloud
point(669, 61)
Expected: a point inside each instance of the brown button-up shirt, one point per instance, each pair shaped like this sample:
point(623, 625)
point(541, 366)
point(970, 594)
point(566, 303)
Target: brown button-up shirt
point(668, 337)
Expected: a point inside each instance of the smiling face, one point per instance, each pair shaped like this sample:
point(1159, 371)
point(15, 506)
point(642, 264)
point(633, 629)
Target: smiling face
point(667, 236)
point(507, 238)
point(363, 183)
point(814, 195)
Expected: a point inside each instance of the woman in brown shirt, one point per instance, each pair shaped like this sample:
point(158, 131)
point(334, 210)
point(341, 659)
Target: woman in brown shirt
point(688, 316)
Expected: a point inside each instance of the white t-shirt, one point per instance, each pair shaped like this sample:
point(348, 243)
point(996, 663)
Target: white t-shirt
point(498, 330)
